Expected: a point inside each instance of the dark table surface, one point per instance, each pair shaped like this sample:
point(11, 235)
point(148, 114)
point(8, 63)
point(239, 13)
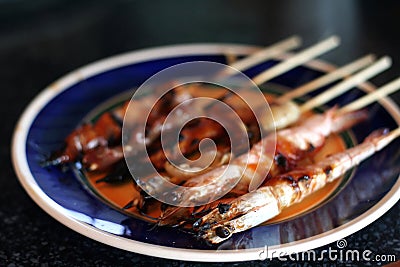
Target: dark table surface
point(42, 40)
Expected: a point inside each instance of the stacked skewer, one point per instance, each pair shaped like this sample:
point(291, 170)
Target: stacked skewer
point(266, 198)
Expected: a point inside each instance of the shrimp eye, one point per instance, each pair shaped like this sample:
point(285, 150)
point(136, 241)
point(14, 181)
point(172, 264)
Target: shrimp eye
point(222, 232)
point(223, 208)
point(280, 160)
point(205, 227)
point(328, 170)
point(197, 223)
point(311, 148)
point(305, 177)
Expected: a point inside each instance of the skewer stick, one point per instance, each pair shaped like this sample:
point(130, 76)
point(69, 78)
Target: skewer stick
point(390, 136)
point(383, 91)
point(264, 54)
point(297, 59)
point(327, 78)
point(260, 56)
point(395, 133)
point(230, 58)
point(347, 84)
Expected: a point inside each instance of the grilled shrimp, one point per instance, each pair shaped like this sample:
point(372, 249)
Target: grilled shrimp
point(87, 137)
point(100, 142)
point(286, 189)
point(292, 144)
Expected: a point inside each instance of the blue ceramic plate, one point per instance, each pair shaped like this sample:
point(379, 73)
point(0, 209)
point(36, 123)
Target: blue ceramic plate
point(45, 123)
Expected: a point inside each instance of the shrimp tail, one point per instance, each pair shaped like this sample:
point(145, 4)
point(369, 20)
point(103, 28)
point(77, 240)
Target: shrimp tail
point(382, 137)
point(347, 120)
point(376, 134)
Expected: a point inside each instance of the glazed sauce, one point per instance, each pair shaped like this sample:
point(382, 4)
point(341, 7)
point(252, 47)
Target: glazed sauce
point(118, 195)
point(334, 144)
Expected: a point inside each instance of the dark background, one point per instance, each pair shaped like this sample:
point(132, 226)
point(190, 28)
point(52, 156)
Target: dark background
point(42, 40)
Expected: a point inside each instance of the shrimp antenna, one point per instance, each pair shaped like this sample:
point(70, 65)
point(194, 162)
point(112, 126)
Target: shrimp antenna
point(395, 133)
point(361, 76)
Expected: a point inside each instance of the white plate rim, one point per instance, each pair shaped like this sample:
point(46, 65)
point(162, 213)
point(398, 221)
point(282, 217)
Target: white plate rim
point(27, 179)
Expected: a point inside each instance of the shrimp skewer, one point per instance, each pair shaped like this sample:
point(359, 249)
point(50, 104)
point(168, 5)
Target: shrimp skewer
point(284, 190)
point(85, 139)
point(287, 112)
point(88, 136)
point(286, 155)
point(106, 133)
point(387, 89)
point(97, 149)
point(292, 144)
point(283, 115)
point(104, 156)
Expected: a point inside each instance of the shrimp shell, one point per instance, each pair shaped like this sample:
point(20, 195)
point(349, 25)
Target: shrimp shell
point(293, 144)
point(286, 189)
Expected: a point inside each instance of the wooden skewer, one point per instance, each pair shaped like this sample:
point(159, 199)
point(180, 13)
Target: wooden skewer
point(395, 133)
point(383, 91)
point(347, 84)
point(264, 54)
point(230, 58)
point(297, 59)
point(389, 137)
point(327, 78)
